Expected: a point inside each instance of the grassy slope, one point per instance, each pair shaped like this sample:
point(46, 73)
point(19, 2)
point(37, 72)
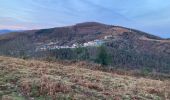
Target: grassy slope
point(23, 80)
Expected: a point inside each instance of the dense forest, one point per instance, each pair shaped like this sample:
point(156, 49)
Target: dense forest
point(127, 59)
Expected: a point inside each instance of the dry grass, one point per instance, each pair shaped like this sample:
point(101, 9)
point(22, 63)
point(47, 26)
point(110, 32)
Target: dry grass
point(40, 80)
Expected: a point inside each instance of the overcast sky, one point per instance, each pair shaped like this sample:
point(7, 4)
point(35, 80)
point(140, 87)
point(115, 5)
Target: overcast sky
point(152, 16)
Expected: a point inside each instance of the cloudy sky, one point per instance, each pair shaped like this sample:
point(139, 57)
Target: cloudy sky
point(152, 16)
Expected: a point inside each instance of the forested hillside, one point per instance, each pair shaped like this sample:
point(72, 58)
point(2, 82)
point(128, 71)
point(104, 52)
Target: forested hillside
point(123, 48)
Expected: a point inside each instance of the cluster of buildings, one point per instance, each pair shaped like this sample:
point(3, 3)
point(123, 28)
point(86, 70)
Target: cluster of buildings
point(53, 45)
point(93, 43)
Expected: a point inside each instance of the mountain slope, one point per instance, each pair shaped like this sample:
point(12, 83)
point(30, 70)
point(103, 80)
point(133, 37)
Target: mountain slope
point(127, 48)
point(21, 79)
point(79, 33)
point(84, 31)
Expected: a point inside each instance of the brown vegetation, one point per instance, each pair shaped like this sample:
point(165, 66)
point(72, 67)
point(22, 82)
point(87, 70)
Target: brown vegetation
point(39, 80)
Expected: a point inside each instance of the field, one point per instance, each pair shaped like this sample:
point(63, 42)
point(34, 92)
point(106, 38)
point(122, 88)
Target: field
point(42, 80)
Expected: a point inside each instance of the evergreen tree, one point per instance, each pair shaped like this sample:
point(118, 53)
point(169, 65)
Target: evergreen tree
point(103, 57)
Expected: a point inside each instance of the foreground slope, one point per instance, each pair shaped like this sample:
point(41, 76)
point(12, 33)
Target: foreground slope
point(21, 79)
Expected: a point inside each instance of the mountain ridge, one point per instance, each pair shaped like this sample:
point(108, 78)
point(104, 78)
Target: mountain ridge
point(96, 25)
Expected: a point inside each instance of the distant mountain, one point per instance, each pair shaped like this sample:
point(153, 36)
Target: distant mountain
point(3, 31)
point(128, 48)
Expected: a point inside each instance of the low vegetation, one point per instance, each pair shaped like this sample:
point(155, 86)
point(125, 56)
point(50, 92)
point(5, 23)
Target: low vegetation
point(43, 80)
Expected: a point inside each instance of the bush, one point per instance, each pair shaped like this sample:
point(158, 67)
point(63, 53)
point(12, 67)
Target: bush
point(146, 71)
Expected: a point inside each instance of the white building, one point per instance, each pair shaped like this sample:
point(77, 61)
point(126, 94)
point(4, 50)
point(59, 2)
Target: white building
point(108, 37)
point(94, 43)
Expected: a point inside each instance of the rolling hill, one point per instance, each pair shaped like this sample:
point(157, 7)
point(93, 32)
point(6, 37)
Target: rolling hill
point(41, 80)
point(128, 48)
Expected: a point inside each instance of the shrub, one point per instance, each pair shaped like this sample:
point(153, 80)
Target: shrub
point(146, 71)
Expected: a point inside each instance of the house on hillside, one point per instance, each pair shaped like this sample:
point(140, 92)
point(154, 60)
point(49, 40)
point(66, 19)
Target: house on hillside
point(93, 43)
point(75, 45)
point(108, 37)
